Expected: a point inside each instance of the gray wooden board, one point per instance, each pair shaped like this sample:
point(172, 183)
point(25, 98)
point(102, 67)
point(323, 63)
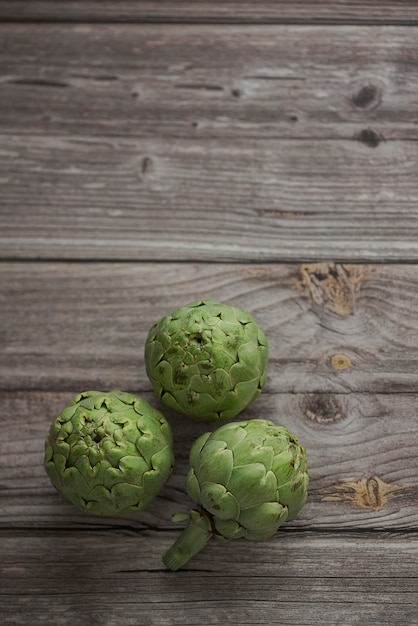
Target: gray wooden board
point(191, 145)
point(278, 150)
point(207, 199)
point(166, 151)
point(238, 11)
point(362, 463)
point(343, 342)
point(230, 82)
point(114, 578)
point(67, 325)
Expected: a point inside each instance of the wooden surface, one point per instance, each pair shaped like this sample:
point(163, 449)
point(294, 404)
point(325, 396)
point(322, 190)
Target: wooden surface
point(262, 154)
point(199, 142)
point(216, 11)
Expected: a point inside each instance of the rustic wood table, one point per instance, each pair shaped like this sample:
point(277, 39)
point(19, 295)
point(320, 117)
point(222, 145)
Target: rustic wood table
point(263, 154)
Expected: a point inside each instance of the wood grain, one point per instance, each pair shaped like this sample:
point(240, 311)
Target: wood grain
point(68, 325)
point(238, 11)
point(210, 81)
point(337, 335)
point(144, 146)
point(343, 344)
point(362, 468)
point(333, 589)
point(206, 199)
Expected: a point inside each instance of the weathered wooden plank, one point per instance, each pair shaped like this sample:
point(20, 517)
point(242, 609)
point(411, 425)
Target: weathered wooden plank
point(217, 11)
point(361, 450)
point(207, 199)
point(210, 81)
point(297, 578)
point(343, 345)
point(67, 325)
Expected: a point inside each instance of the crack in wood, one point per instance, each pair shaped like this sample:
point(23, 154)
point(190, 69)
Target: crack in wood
point(37, 82)
point(272, 77)
point(199, 86)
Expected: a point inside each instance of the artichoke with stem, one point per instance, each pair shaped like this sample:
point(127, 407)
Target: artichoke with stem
point(109, 453)
point(247, 478)
point(207, 360)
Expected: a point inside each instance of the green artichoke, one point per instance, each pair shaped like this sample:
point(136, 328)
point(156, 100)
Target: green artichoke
point(109, 453)
point(247, 478)
point(207, 360)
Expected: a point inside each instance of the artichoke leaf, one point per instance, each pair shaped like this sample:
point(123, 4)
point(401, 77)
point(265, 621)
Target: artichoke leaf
point(263, 516)
point(251, 484)
point(218, 501)
point(215, 461)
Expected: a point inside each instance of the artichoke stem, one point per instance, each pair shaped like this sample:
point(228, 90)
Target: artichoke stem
point(193, 538)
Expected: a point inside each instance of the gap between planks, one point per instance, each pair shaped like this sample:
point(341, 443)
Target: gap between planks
point(304, 13)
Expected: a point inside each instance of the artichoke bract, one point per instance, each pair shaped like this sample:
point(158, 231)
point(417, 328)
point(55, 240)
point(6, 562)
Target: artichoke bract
point(109, 453)
point(207, 360)
point(247, 479)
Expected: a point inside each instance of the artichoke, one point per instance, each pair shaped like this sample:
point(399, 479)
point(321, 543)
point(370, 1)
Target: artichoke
point(207, 360)
point(247, 478)
point(109, 453)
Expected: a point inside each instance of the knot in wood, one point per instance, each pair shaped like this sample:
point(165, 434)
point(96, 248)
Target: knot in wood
point(369, 493)
point(322, 408)
point(340, 362)
point(147, 166)
point(236, 93)
point(366, 95)
point(333, 286)
point(370, 137)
